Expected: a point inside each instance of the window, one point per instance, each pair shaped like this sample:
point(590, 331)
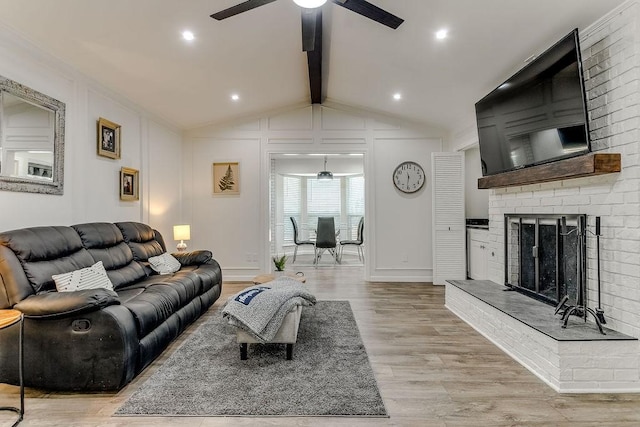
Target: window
point(354, 205)
point(323, 199)
point(291, 193)
point(306, 198)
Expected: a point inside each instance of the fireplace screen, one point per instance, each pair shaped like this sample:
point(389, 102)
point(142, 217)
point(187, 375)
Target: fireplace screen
point(542, 257)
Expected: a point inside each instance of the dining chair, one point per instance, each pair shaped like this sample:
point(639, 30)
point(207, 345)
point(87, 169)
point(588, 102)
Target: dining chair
point(325, 238)
point(357, 242)
point(297, 241)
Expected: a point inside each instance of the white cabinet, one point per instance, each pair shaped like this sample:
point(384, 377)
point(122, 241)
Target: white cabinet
point(477, 253)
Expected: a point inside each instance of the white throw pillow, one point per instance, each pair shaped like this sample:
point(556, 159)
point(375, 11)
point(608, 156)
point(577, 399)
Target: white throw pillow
point(164, 264)
point(93, 277)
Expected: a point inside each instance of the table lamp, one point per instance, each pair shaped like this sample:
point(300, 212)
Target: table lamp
point(182, 233)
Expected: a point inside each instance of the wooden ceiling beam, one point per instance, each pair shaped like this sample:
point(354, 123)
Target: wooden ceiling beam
point(314, 61)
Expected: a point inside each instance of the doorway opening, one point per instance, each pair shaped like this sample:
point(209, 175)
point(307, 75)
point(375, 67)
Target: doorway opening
point(300, 189)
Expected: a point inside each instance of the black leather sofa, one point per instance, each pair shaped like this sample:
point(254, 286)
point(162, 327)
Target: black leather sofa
point(96, 339)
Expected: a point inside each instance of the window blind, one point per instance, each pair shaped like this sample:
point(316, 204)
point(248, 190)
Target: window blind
point(354, 205)
point(323, 199)
point(291, 204)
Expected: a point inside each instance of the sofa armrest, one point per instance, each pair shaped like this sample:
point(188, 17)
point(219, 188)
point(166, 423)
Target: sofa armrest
point(194, 257)
point(60, 304)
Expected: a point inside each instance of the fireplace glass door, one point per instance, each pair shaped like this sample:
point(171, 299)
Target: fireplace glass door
point(542, 255)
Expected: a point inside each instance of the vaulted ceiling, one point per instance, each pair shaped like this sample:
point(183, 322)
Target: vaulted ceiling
point(135, 48)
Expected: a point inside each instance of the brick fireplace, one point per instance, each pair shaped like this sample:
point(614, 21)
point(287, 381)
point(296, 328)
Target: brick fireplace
point(611, 61)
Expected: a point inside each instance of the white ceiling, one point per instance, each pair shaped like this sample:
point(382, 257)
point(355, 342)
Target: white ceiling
point(134, 48)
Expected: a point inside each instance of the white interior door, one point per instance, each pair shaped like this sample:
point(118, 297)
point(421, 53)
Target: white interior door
point(449, 254)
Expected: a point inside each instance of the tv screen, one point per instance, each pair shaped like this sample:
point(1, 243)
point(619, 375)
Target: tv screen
point(537, 116)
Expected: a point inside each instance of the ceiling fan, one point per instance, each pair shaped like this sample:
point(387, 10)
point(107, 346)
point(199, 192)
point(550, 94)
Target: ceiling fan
point(312, 29)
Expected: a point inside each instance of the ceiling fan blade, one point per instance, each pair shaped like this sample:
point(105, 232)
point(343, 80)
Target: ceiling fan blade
point(239, 8)
point(371, 11)
point(310, 29)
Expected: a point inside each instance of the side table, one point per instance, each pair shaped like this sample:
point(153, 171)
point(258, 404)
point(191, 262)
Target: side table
point(9, 318)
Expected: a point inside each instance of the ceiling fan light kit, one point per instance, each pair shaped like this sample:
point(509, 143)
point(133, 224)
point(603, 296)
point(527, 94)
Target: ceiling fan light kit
point(310, 4)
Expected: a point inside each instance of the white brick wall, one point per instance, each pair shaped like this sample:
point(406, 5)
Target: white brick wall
point(566, 366)
point(611, 60)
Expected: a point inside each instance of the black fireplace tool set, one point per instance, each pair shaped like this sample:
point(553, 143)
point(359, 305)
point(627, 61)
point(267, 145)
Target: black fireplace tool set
point(580, 308)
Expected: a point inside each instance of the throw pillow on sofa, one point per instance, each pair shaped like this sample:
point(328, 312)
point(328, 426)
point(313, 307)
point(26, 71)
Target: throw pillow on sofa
point(93, 277)
point(164, 264)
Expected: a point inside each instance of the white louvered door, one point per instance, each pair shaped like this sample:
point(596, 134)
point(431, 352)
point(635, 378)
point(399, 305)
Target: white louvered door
point(449, 254)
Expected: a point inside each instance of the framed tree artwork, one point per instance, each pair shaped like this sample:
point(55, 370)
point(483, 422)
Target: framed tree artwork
point(129, 184)
point(108, 139)
point(226, 178)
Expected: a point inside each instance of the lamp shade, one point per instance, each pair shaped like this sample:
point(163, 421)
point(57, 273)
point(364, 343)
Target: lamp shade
point(309, 4)
point(182, 232)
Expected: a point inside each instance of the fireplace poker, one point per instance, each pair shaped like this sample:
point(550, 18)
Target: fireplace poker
point(599, 310)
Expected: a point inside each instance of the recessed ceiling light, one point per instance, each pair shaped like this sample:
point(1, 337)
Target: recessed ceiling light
point(235, 97)
point(397, 96)
point(442, 34)
point(188, 35)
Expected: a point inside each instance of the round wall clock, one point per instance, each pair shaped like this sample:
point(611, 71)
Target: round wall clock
point(409, 177)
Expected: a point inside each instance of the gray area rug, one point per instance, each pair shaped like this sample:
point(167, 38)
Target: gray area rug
point(329, 375)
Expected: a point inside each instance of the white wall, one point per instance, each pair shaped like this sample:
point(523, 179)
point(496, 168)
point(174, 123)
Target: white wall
point(476, 201)
point(236, 228)
point(611, 61)
point(91, 182)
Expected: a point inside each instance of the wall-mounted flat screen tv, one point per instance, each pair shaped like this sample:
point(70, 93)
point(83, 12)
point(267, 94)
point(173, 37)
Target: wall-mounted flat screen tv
point(537, 116)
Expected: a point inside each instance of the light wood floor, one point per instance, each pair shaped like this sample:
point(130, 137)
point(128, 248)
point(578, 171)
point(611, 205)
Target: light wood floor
point(432, 370)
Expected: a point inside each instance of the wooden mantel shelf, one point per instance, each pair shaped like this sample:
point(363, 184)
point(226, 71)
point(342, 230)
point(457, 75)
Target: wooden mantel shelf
point(577, 167)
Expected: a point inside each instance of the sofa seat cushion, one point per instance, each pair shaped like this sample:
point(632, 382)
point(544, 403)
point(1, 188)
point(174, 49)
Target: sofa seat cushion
point(154, 299)
point(152, 307)
point(185, 283)
point(127, 294)
point(209, 274)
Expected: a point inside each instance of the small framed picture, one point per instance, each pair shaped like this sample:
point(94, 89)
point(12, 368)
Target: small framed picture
point(226, 178)
point(108, 139)
point(129, 184)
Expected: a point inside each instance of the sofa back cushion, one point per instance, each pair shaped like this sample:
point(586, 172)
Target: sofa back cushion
point(142, 240)
point(105, 243)
point(45, 251)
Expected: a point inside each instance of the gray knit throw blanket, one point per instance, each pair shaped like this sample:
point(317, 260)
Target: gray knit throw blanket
point(259, 310)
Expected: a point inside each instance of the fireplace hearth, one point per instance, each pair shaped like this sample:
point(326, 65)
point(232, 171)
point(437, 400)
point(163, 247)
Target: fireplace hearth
point(544, 258)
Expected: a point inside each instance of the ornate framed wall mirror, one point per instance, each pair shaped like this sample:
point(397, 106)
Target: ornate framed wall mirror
point(31, 140)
